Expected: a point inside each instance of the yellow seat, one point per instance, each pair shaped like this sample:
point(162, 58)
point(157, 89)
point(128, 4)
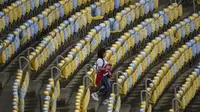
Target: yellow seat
point(133, 12)
point(137, 10)
point(156, 21)
point(135, 75)
point(171, 13)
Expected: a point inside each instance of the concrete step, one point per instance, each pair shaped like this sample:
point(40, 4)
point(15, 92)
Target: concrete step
point(194, 105)
point(125, 108)
point(164, 102)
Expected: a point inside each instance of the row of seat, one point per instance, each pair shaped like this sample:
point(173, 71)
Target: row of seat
point(51, 95)
point(138, 34)
point(99, 9)
point(85, 47)
point(132, 38)
point(19, 89)
point(17, 10)
point(52, 92)
point(20, 8)
point(28, 31)
point(82, 99)
point(62, 33)
point(129, 14)
point(126, 16)
point(114, 103)
point(104, 27)
point(58, 37)
point(174, 64)
point(91, 71)
point(82, 49)
point(146, 57)
point(127, 41)
point(188, 88)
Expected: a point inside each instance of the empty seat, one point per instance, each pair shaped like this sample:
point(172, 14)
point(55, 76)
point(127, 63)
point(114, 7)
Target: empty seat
point(188, 89)
point(33, 28)
point(82, 99)
point(171, 67)
point(20, 87)
point(19, 10)
point(155, 48)
point(138, 35)
point(51, 95)
point(55, 39)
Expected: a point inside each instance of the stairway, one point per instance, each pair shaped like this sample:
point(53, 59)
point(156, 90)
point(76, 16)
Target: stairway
point(165, 101)
point(194, 104)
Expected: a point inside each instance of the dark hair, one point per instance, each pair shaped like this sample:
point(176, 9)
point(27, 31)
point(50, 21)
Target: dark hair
point(101, 53)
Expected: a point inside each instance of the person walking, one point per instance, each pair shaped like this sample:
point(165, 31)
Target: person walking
point(103, 74)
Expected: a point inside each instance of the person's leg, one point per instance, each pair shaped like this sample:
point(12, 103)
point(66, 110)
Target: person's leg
point(107, 88)
point(95, 92)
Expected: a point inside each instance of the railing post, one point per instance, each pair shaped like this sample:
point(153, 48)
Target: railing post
point(58, 71)
point(26, 65)
point(175, 90)
point(59, 57)
point(174, 103)
point(89, 66)
point(147, 94)
point(118, 86)
point(86, 82)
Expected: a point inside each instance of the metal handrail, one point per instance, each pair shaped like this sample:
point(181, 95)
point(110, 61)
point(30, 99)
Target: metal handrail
point(175, 90)
point(58, 57)
point(118, 91)
point(52, 75)
point(89, 66)
point(147, 94)
point(86, 83)
point(146, 82)
point(174, 103)
point(26, 65)
point(141, 95)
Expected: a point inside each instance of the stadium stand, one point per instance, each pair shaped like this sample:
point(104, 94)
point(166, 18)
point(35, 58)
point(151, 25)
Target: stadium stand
point(48, 50)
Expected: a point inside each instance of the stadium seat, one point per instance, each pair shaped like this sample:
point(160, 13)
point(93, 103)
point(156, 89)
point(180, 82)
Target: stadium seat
point(19, 89)
point(153, 50)
point(188, 89)
point(139, 34)
point(34, 27)
point(82, 99)
point(171, 67)
point(52, 93)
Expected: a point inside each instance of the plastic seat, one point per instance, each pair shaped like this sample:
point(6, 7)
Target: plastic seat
point(133, 12)
point(137, 9)
point(19, 88)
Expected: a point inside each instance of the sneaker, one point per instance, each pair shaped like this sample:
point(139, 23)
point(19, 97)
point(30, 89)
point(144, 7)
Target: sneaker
point(95, 96)
point(102, 87)
point(105, 102)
